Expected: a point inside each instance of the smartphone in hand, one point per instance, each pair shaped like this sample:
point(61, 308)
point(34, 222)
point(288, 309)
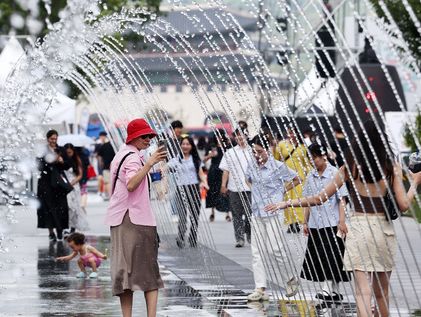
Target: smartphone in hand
point(162, 144)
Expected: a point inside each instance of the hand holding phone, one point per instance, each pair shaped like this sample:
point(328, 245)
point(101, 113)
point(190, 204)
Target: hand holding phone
point(162, 144)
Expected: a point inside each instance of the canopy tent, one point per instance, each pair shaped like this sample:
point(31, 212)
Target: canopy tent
point(62, 109)
point(9, 58)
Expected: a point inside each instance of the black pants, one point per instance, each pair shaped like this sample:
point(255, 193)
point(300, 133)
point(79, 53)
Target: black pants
point(240, 208)
point(189, 204)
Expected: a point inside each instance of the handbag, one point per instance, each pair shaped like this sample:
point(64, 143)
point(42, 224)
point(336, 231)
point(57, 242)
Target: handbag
point(90, 172)
point(391, 212)
point(60, 182)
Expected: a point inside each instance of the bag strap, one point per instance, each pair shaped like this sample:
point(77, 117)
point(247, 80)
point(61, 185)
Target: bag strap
point(118, 170)
point(290, 153)
point(148, 178)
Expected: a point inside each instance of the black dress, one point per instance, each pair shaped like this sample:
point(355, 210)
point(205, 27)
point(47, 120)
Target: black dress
point(53, 211)
point(323, 258)
point(214, 199)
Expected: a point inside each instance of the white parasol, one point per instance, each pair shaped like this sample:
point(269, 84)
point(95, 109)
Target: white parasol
point(78, 140)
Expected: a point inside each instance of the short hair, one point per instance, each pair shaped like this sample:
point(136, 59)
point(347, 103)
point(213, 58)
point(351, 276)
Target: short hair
point(239, 131)
point(103, 133)
point(317, 150)
point(337, 128)
point(50, 133)
point(77, 238)
point(243, 124)
point(262, 141)
point(176, 124)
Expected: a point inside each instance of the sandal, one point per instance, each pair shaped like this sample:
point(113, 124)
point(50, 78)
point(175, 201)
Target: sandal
point(212, 218)
point(228, 218)
point(257, 295)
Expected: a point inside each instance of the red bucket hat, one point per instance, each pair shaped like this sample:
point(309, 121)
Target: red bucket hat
point(137, 128)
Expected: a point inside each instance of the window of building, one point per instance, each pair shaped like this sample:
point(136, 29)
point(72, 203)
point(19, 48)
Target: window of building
point(163, 88)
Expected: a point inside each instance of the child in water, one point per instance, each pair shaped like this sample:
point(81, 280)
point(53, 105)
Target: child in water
point(89, 256)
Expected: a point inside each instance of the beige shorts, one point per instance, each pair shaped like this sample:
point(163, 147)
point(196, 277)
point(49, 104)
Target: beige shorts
point(106, 175)
point(370, 245)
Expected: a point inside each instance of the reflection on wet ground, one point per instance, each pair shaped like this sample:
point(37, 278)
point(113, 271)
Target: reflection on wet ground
point(32, 283)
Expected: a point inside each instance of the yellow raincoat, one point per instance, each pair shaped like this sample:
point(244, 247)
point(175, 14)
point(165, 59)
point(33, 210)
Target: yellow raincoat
point(299, 162)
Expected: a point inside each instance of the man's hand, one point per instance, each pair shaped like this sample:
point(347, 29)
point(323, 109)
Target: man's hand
point(272, 208)
point(342, 229)
point(306, 230)
point(224, 190)
point(159, 155)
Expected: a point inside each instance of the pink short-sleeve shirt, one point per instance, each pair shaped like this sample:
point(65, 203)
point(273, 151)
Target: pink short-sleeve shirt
point(137, 201)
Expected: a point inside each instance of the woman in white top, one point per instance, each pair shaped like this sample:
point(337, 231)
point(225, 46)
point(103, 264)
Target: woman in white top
point(190, 178)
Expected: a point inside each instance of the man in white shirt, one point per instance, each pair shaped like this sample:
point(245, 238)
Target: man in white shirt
point(234, 164)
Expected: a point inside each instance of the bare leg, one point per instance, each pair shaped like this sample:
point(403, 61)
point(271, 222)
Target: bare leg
point(151, 298)
point(93, 264)
point(381, 293)
point(126, 303)
point(81, 266)
point(84, 201)
point(363, 293)
point(100, 183)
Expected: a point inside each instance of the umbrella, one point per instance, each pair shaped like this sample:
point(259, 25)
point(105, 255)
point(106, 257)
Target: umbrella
point(78, 140)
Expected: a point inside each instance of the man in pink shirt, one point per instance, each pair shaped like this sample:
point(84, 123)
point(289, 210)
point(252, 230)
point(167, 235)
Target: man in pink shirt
point(134, 245)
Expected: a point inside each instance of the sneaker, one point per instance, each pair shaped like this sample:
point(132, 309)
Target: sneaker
point(240, 244)
point(292, 287)
point(93, 275)
point(81, 275)
point(52, 237)
point(327, 297)
point(258, 295)
point(66, 233)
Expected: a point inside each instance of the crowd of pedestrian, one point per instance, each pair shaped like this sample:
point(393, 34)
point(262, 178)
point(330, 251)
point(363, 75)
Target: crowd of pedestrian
point(62, 186)
point(271, 185)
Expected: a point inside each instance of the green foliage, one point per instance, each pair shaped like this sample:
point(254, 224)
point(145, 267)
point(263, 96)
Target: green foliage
point(10, 7)
point(409, 137)
point(401, 16)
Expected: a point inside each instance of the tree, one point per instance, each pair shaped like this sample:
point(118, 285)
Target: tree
point(409, 137)
point(19, 18)
point(404, 22)
point(24, 18)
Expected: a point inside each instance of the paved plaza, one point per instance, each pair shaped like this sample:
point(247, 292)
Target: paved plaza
point(211, 280)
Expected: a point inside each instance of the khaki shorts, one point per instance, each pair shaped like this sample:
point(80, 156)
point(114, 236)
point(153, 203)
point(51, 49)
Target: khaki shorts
point(370, 245)
point(106, 175)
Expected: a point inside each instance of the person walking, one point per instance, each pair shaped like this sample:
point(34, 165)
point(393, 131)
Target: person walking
point(293, 152)
point(134, 239)
point(214, 198)
point(77, 216)
point(234, 164)
point(52, 189)
point(173, 146)
point(371, 242)
point(269, 179)
point(326, 229)
point(106, 154)
point(102, 137)
point(190, 178)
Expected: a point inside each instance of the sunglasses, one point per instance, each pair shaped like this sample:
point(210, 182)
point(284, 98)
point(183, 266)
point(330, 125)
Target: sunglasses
point(150, 136)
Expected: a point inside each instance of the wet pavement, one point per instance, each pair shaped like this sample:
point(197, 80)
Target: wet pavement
point(211, 280)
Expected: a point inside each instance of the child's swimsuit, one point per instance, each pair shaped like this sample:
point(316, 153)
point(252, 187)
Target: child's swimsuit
point(85, 259)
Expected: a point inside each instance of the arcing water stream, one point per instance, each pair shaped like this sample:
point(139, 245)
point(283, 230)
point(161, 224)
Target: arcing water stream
point(83, 48)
